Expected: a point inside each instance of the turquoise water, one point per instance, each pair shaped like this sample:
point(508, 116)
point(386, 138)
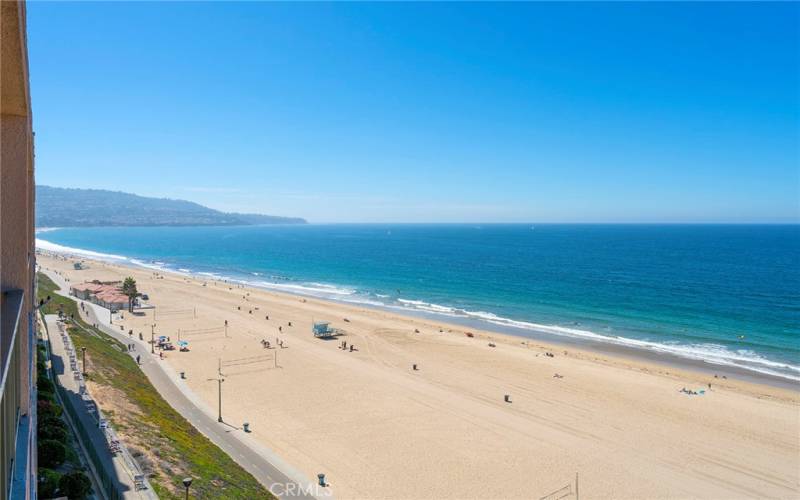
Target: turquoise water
point(688, 290)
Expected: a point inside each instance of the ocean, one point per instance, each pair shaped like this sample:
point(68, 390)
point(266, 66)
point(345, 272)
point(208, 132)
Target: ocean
point(728, 295)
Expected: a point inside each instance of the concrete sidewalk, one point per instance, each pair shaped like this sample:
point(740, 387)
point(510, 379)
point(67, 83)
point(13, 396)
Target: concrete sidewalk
point(115, 466)
point(280, 478)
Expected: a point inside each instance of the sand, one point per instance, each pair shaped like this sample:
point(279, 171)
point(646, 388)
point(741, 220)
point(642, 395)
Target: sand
point(379, 429)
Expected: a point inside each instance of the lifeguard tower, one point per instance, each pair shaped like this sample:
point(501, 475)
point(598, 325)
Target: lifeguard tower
point(322, 330)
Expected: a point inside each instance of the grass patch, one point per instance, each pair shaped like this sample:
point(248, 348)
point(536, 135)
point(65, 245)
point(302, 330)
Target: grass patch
point(153, 425)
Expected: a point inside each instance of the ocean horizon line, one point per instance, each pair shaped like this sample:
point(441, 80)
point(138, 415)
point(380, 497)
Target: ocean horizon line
point(435, 223)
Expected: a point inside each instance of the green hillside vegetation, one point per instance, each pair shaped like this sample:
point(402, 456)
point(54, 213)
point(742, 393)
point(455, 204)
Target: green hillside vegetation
point(61, 207)
point(181, 450)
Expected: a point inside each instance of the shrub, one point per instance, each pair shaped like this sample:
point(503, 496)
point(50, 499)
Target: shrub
point(47, 408)
point(46, 396)
point(51, 453)
point(44, 384)
point(48, 483)
point(75, 485)
point(53, 428)
point(51, 421)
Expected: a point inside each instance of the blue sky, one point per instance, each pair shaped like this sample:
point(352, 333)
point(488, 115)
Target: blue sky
point(417, 112)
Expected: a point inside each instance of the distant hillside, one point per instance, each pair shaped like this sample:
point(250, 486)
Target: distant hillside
point(61, 207)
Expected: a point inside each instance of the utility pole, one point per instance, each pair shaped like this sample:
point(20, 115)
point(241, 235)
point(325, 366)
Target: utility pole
point(153, 338)
point(83, 350)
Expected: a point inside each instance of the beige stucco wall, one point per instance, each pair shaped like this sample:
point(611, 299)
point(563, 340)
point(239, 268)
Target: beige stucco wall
point(17, 217)
point(16, 249)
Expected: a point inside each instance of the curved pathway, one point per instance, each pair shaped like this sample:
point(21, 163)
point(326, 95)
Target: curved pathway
point(265, 466)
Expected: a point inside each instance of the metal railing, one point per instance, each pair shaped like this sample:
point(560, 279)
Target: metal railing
point(107, 483)
point(101, 466)
point(11, 304)
point(94, 410)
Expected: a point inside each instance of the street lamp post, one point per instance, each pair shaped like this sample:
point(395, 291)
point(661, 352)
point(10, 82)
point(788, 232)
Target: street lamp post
point(219, 380)
point(187, 481)
point(83, 351)
point(153, 338)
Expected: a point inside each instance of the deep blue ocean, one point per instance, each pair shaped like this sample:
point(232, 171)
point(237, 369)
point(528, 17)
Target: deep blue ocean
point(726, 294)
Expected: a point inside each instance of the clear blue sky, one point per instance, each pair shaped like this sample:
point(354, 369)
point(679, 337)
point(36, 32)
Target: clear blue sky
point(426, 112)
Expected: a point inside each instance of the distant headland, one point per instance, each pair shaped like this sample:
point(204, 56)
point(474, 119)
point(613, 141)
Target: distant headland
point(64, 207)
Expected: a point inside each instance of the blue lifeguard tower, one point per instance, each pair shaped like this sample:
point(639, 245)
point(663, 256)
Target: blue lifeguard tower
point(323, 330)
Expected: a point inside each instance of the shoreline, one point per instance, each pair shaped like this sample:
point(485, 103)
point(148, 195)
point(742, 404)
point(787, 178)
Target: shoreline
point(666, 360)
point(417, 410)
point(600, 345)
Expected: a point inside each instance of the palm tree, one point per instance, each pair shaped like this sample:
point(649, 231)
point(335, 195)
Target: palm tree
point(129, 289)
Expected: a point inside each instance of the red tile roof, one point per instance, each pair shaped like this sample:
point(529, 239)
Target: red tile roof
point(106, 293)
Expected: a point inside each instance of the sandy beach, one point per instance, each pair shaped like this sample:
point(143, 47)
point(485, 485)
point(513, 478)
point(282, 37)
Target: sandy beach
point(380, 429)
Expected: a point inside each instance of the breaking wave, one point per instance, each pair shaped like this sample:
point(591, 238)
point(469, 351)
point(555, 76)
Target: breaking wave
point(707, 352)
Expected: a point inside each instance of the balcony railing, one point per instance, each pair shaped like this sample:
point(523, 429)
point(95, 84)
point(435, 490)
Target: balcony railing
point(11, 384)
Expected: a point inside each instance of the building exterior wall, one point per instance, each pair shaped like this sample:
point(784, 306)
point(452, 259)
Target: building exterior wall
point(17, 262)
point(79, 293)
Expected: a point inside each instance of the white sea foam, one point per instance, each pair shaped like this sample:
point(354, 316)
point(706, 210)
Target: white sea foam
point(213, 276)
point(155, 265)
point(56, 248)
point(412, 302)
point(313, 289)
point(364, 301)
point(708, 352)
